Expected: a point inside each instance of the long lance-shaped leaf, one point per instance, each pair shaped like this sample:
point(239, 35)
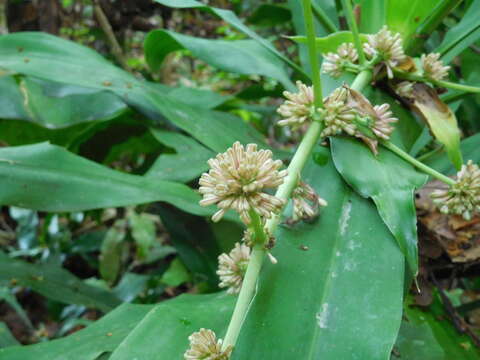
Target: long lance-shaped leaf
point(49, 178)
point(237, 56)
point(55, 59)
point(337, 287)
point(232, 19)
point(143, 332)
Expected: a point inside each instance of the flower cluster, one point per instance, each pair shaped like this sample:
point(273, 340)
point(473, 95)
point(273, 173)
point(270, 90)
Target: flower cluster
point(232, 268)
point(463, 197)
point(337, 115)
point(306, 202)
point(348, 111)
point(298, 107)
point(388, 47)
point(205, 346)
point(335, 64)
point(433, 67)
point(236, 180)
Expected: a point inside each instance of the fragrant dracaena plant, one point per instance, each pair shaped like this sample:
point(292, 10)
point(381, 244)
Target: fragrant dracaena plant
point(332, 209)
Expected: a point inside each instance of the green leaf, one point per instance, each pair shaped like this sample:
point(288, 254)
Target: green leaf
point(373, 15)
point(390, 182)
point(11, 101)
point(6, 337)
point(187, 164)
point(429, 335)
point(102, 336)
point(176, 274)
point(270, 15)
point(404, 16)
point(143, 232)
point(232, 19)
point(469, 147)
point(130, 286)
point(77, 184)
point(111, 251)
point(337, 287)
point(329, 43)
point(193, 240)
point(57, 112)
point(246, 57)
point(143, 332)
point(59, 60)
point(55, 283)
point(462, 35)
point(10, 299)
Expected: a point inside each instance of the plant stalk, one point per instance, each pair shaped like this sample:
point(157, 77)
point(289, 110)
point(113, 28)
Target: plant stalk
point(440, 83)
point(283, 192)
point(352, 24)
point(426, 169)
point(312, 53)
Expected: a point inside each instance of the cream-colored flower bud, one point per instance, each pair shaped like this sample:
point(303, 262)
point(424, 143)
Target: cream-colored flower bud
point(463, 197)
point(236, 180)
point(405, 89)
point(433, 67)
point(382, 127)
point(334, 63)
point(232, 268)
point(337, 116)
point(297, 109)
point(205, 346)
point(306, 202)
point(388, 46)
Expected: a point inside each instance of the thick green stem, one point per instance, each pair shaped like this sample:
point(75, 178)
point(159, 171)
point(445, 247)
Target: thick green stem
point(352, 24)
point(312, 53)
point(249, 282)
point(440, 83)
point(362, 80)
point(323, 18)
point(426, 169)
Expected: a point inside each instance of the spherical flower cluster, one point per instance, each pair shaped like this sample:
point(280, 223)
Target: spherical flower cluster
point(388, 46)
point(306, 202)
point(232, 268)
point(433, 67)
point(204, 346)
point(405, 89)
point(463, 197)
point(298, 107)
point(348, 111)
point(334, 63)
point(337, 115)
point(236, 180)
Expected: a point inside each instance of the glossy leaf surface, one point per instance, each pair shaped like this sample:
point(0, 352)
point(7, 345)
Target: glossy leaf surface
point(189, 161)
point(73, 183)
point(137, 331)
point(390, 182)
point(337, 287)
point(59, 60)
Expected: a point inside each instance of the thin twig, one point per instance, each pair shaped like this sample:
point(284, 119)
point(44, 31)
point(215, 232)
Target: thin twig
point(112, 40)
point(3, 17)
